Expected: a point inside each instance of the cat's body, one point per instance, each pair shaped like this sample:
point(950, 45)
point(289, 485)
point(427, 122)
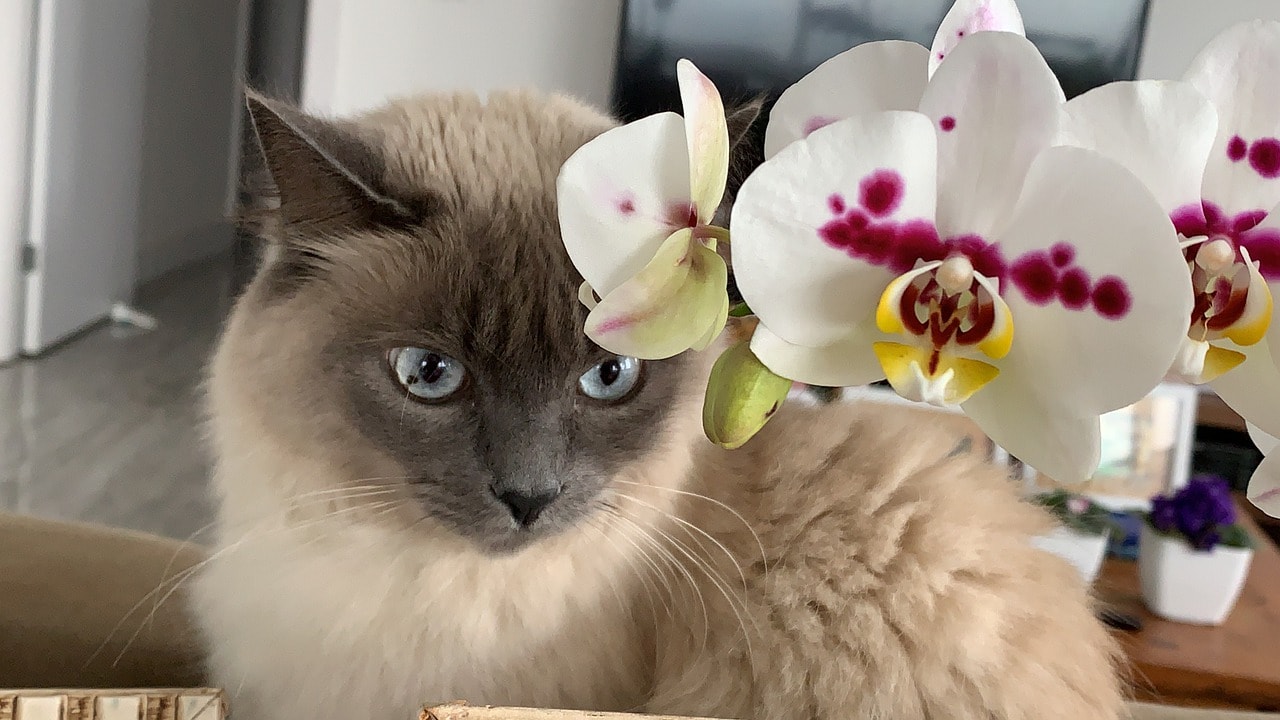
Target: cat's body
point(840, 565)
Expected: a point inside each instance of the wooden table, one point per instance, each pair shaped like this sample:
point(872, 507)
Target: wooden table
point(1234, 665)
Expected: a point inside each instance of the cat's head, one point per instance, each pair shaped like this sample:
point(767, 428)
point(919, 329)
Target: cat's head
point(415, 327)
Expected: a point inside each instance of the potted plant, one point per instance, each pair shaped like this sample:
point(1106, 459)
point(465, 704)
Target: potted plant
point(1192, 556)
point(1081, 538)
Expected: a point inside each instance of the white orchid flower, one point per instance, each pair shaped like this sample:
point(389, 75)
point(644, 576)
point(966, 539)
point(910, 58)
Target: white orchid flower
point(968, 261)
point(876, 76)
point(635, 205)
point(1264, 486)
point(1209, 149)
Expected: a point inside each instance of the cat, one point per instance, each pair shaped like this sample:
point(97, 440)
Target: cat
point(432, 486)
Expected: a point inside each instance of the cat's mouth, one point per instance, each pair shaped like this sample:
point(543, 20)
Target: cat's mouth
point(514, 520)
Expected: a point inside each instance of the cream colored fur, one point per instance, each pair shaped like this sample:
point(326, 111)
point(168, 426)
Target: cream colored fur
point(893, 582)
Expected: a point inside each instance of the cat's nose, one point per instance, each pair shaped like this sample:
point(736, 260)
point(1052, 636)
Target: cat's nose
point(526, 507)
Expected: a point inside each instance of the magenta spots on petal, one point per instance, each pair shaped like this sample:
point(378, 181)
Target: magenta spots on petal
point(856, 219)
point(1189, 220)
point(1111, 298)
point(1264, 156)
point(845, 233)
point(625, 205)
point(1035, 276)
point(960, 33)
point(1237, 148)
point(876, 243)
point(984, 19)
point(1264, 248)
point(1213, 215)
point(947, 123)
point(881, 192)
point(1247, 220)
point(836, 203)
point(682, 215)
point(817, 122)
point(1073, 289)
point(917, 240)
point(1062, 254)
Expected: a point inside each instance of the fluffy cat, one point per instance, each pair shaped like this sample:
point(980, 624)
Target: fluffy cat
point(432, 486)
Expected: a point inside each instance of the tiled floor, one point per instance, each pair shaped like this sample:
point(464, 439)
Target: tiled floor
point(106, 428)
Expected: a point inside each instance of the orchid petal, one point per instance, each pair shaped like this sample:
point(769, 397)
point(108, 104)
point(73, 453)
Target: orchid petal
point(621, 195)
point(1264, 486)
point(1256, 317)
point(954, 380)
point(872, 77)
point(1029, 422)
point(820, 229)
point(707, 137)
point(1237, 71)
point(846, 362)
point(587, 296)
point(998, 105)
point(888, 309)
point(1161, 131)
point(1097, 285)
point(999, 341)
point(742, 394)
point(721, 318)
point(1253, 388)
point(967, 17)
point(1264, 442)
point(671, 305)
point(1199, 362)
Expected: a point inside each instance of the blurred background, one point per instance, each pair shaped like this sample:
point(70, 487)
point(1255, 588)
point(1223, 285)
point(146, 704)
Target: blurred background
point(122, 135)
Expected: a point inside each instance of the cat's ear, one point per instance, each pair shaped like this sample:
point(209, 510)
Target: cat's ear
point(323, 178)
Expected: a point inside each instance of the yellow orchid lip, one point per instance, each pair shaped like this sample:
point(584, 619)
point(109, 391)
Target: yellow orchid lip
point(949, 316)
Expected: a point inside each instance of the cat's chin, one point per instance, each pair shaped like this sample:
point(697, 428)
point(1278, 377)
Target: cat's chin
point(513, 540)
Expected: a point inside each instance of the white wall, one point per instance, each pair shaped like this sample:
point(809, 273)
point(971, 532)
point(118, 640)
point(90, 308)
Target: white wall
point(1177, 29)
point(17, 47)
point(361, 52)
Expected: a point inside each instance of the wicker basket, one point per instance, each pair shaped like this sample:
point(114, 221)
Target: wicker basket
point(160, 704)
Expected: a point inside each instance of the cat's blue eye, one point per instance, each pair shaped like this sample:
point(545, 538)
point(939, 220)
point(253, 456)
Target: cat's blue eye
point(611, 380)
point(426, 374)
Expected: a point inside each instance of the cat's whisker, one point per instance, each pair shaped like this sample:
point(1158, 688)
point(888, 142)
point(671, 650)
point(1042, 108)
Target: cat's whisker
point(593, 523)
point(370, 484)
point(736, 603)
point(764, 556)
point(404, 407)
point(691, 528)
point(174, 583)
point(671, 559)
point(669, 596)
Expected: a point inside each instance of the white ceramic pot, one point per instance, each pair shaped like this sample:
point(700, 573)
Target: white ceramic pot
point(1083, 551)
point(1186, 585)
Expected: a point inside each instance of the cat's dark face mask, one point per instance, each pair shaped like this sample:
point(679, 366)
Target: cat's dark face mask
point(448, 334)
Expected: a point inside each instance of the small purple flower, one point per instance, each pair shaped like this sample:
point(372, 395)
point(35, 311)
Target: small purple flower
point(1196, 512)
point(1163, 516)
